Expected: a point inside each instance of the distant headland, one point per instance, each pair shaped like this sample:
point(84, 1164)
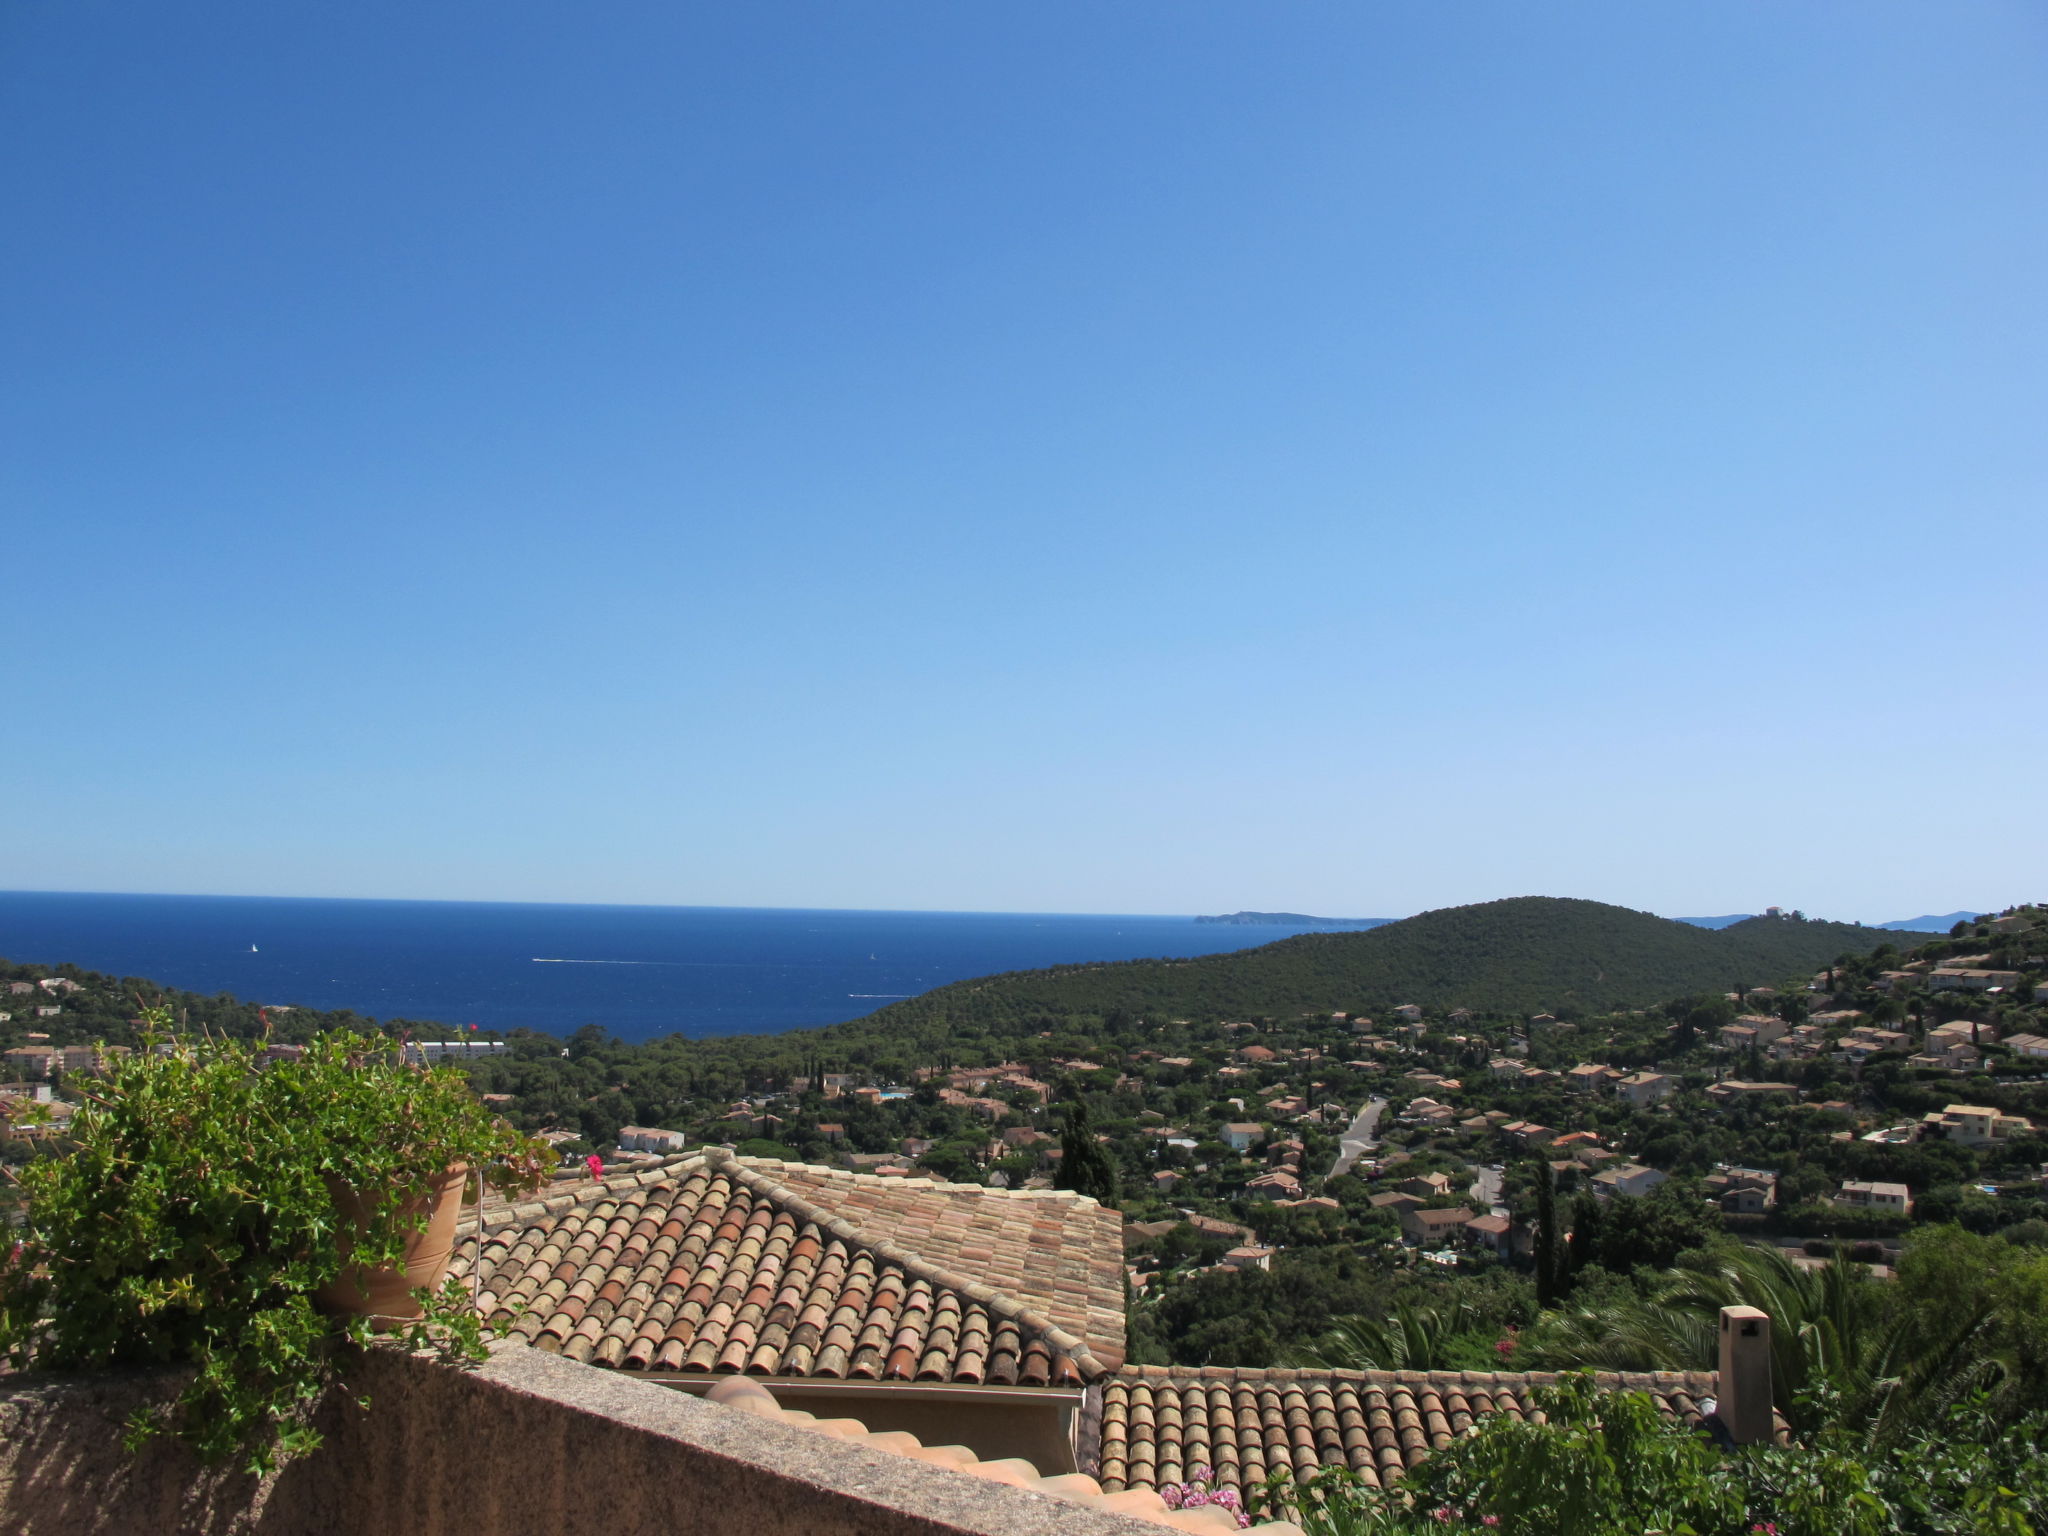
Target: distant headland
point(1295, 920)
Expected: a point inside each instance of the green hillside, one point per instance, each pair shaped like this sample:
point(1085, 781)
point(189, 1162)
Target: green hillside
point(1520, 955)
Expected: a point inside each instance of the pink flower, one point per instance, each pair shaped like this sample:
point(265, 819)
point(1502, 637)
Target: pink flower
point(1443, 1514)
point(1489, 1519)
point(1170, 1495)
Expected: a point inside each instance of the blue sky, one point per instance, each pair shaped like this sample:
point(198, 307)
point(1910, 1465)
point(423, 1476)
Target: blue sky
point(1141, 457)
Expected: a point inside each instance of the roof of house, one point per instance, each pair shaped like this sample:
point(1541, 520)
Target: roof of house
point(1275, 1178)
point(711, 1263)
point(1456, 1216)
point(1624, 1172)
point(1156, 1423)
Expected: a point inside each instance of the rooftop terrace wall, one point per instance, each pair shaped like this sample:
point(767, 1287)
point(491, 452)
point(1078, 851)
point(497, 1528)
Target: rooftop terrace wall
point(528, 1443)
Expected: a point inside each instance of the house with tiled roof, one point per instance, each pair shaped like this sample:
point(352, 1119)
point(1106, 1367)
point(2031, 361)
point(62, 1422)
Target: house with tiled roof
point(985, 1322)
point(997, 1307)
point(1495, 1232)
point(642, 1138)
point(1276, 1185)
point(1731, 1091)
point(1643, 1089)
point(1432, 1226)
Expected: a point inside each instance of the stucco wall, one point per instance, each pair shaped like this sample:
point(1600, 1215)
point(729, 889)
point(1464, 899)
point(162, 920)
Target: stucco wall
point(528, 1443)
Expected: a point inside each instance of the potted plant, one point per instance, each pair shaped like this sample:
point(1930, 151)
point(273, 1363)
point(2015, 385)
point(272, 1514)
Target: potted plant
point(246, 1218)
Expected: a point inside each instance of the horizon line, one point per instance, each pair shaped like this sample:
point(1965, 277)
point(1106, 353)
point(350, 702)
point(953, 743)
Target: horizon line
point(659, 906)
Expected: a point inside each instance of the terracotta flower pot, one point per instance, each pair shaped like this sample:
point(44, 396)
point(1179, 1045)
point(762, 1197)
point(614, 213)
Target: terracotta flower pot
point(384, 1291)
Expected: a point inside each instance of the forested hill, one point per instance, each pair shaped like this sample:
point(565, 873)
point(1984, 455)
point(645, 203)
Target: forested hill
point(1520, 955)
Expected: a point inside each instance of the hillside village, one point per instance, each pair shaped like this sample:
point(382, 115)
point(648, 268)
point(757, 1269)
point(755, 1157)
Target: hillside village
point(1183, 1269)
point(1334, 1156)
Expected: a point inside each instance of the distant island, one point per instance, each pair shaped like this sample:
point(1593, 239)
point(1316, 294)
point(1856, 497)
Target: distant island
point(1296, 920)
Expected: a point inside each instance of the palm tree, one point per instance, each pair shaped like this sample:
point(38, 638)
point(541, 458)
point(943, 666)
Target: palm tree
point(1415, 1338)
point(1844, 1358)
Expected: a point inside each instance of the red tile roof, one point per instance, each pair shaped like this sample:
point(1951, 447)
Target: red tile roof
point(1155, 1423)
point(707, 1263)
point(1059, 1253)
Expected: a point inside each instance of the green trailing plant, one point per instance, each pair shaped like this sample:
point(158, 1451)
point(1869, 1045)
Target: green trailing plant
point(196, 1217)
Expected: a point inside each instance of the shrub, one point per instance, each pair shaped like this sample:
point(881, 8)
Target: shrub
point(197, 1216)
point(1603, 1464)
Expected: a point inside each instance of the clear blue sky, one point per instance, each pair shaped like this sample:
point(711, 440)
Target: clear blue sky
point(1353, 457)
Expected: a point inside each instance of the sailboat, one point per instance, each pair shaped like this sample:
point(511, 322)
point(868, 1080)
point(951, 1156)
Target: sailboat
point(252, 949)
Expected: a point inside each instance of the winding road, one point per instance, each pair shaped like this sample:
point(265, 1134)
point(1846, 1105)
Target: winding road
point(1358, 1140)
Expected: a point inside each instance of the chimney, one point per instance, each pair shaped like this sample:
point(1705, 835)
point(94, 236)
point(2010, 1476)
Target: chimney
point(1745, 1384)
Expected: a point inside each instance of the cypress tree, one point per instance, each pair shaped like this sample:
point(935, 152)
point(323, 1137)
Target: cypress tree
point(1585, 1243)
point(1084, 1167)
point(1548, 1249)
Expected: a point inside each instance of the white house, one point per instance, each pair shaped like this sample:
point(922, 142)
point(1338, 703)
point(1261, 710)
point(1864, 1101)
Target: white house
point(1628, 1179)
point(641, 1138)
point(1973, 1125)
point(417, 1051)
point(1643, 1089)
point(1884, 1199)
point(1957, 978)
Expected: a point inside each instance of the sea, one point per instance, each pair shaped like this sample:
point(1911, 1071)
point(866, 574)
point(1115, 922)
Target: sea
point(636, 971)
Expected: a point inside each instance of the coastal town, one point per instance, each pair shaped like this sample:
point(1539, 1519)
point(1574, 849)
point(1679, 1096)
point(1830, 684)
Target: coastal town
point(1845, 1107)
point(1185, 1270)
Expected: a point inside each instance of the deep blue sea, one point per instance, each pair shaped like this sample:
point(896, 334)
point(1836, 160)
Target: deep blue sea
point(638, 971)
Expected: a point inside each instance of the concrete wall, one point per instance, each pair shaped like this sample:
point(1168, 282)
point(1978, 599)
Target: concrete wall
point(1038, 1432)
point(528, 1443)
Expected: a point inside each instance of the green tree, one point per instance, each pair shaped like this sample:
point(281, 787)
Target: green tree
point(1550, 1257)
point(1084, 1167)
point(1587, 1221)
point(1416, 1338)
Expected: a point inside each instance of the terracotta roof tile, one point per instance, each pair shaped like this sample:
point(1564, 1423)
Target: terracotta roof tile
point(1151, 1424)
point(1059, 1254)
point(706, 1263)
